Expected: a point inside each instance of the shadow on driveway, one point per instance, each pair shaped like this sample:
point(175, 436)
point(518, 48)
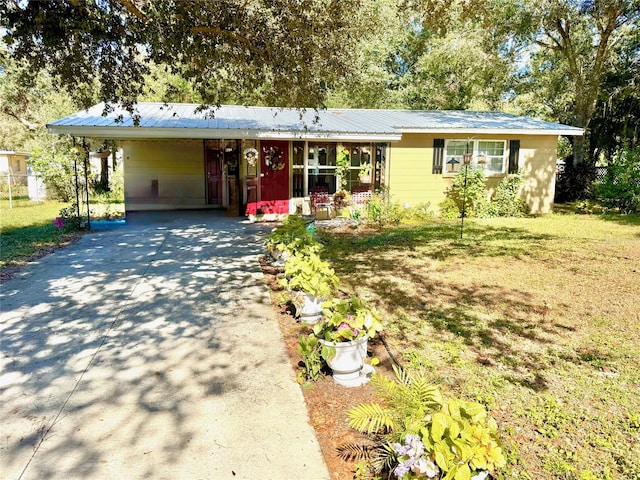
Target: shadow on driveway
point(150, 351)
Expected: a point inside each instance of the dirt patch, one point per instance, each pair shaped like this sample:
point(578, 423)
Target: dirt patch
point(327, 402)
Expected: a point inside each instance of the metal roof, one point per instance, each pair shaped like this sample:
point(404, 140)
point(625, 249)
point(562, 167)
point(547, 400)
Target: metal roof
point(183, 120)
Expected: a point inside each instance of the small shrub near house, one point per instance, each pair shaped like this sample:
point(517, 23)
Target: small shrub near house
point(473, 197)
point(382, 211)
point(506, 201)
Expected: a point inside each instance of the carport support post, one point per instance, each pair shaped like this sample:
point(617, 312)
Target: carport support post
point(75, 171)
point(86, 180)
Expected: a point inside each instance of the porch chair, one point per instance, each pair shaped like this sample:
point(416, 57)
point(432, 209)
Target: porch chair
point(319, 198)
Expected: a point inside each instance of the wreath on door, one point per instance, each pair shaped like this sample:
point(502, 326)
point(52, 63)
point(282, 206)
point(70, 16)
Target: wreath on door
point(273, 158)
point(251, 156)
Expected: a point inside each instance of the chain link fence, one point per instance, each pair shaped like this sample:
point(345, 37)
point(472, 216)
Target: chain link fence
point(20, 189)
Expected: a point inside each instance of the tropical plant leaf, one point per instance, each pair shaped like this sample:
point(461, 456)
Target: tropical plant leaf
point(355, 452)
point(371, 418)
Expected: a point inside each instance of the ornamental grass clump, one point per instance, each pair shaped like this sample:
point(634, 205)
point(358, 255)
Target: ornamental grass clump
point(417, 433)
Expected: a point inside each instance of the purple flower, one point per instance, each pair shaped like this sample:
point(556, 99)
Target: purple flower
point(401, 470)
point(59, 222)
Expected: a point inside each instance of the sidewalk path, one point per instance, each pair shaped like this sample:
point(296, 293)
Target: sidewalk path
point(150, 352)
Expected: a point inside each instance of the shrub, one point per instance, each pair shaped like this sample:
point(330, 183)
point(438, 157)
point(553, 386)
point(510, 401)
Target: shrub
point(68, 218)
point(507, 201)
point(576, 182)
point(474, 197)
point(419, 212)
point(56, 169)
point(621, 186)
point(381, 211)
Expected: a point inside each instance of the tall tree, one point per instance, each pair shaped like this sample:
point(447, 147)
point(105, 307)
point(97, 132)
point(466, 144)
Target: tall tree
point(222, 47)
point(578, 37)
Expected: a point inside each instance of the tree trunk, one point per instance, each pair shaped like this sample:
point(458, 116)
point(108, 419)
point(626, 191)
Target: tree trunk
point(104, 173)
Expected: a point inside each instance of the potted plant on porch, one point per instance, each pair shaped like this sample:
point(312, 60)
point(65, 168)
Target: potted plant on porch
point(342, 336)
point(365, 172)
point(309, 281)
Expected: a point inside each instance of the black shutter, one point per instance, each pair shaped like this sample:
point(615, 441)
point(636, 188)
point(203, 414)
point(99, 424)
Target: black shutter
point(514, 154)
point(438, 154)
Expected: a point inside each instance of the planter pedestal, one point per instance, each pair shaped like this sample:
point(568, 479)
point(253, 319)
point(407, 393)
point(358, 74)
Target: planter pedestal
point(349, 369)
point(311, 311)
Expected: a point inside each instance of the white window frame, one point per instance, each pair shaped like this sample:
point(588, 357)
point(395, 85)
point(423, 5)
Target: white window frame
point(475, 152)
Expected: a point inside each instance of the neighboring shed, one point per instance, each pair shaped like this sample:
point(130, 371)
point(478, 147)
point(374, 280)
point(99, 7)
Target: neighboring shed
point(259, 160)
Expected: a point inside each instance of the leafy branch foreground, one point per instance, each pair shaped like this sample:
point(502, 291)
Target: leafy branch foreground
point(534, 318)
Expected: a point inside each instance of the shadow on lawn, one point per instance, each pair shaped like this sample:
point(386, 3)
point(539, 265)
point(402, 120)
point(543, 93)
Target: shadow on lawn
point(630, 219)
point(440, 240)
point(513, 338)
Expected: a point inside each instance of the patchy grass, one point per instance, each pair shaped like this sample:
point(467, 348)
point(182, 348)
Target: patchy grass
point(27, 230)
point(537, 318)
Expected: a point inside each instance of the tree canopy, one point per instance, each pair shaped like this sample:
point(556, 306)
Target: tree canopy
point(573, 61)
point(224, 48)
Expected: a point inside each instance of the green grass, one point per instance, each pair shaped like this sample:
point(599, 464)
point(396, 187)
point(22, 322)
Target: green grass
point(27, 229)
point(537, 318)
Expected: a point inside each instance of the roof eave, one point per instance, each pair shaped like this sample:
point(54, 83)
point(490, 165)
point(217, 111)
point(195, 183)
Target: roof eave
point(131, 133)
point(497, 131)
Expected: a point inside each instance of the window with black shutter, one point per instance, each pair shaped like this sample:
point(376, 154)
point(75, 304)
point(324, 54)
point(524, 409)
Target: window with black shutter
point(438, 154)
point(514, 154)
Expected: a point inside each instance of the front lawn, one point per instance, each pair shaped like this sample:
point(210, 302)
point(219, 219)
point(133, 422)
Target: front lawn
point(27, 229)
point(536, 318)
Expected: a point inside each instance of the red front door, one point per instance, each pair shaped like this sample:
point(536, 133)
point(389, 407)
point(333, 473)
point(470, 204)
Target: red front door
point(214, 177)
point(274, 178)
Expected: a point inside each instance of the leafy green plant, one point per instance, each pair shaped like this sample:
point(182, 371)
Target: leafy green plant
point(418, 433)
point(346, 320)
point(343, 163)
point(381, 211)
point(620, 188)
point(419, 212)
point(310, 274)
point(292, 237)
point(312, 362)
point(68, 219)
point(507, 201)
point(57, 171)
point(365, 169)
point(474, 196)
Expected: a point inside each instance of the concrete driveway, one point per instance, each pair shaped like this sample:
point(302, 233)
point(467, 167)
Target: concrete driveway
point(150, 351)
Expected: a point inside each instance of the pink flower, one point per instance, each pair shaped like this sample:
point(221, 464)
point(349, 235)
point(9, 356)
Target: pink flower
point(59, 222)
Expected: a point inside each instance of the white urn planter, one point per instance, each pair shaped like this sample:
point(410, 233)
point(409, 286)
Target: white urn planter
point(347, 363)
point(311, 310)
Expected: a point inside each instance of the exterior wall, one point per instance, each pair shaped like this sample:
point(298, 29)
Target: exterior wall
point(14, 163)
point(410, 165)
point(176, 165)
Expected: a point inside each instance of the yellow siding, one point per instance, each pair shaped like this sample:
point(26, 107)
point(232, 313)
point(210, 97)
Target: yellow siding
point(538, 160)
point(177, 165)
point(411, 160)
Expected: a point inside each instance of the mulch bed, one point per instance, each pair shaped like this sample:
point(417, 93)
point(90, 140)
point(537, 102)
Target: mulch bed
point(327, 402)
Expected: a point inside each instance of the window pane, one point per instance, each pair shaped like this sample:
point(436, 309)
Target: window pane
point(298, 154)
point(491, 148)
point(458, 147)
